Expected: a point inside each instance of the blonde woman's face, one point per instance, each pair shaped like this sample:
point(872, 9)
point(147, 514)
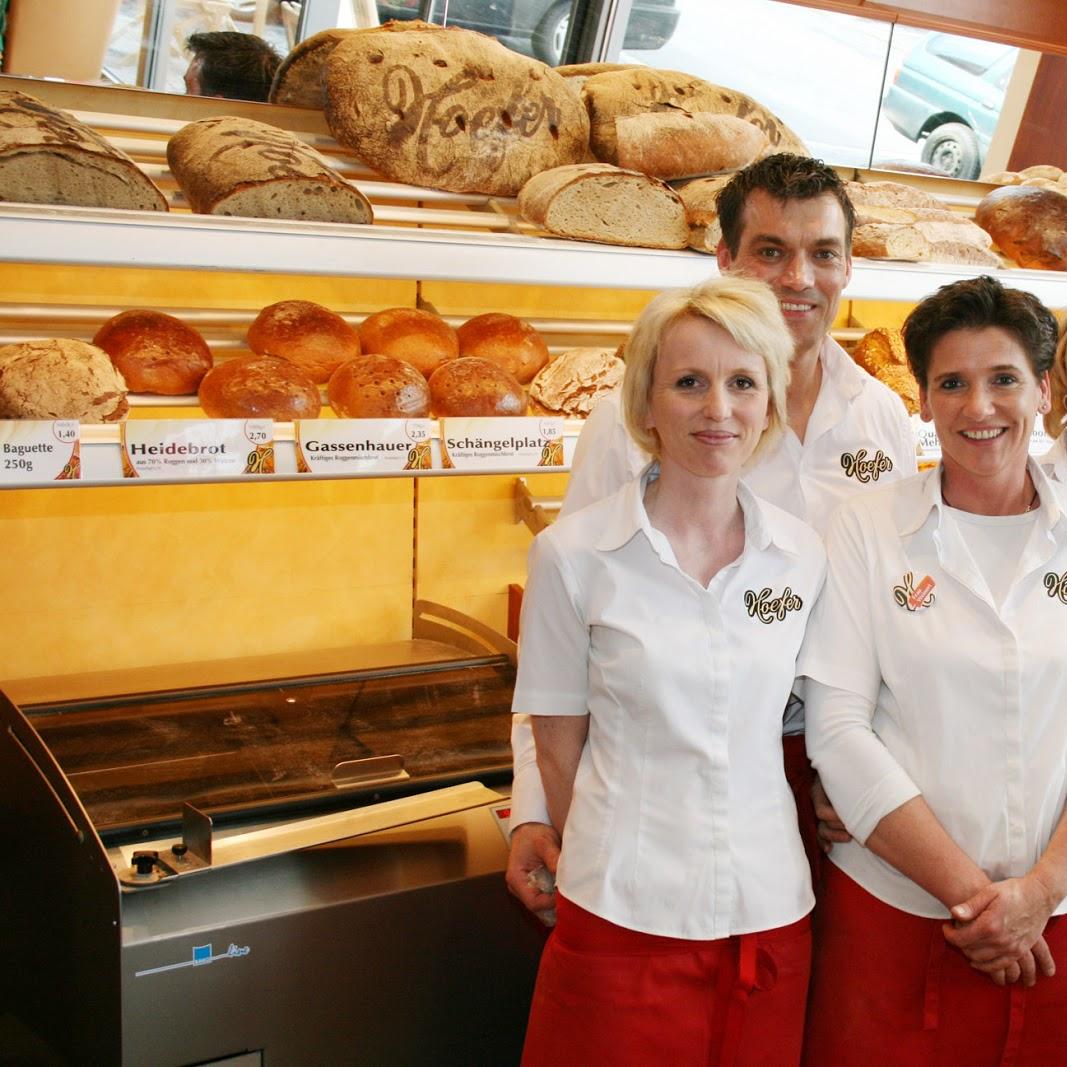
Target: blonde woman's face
point(709, 399)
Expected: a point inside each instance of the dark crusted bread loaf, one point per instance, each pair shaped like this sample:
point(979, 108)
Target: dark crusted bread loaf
point(1028, 224)
point(259, 387)
point(49, 157)
point(378, 387)
point(313, 337)
point(154, 352)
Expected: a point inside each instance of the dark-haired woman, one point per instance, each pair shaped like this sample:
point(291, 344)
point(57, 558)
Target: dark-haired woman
point(937, 719)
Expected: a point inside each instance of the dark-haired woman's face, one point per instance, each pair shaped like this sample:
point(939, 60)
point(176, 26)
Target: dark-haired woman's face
point(982, 396)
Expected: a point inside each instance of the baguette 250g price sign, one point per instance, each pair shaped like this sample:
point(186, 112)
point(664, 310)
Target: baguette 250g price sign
point(208, 448)
point(362, 446)
point(34, 450)
point(502, 444)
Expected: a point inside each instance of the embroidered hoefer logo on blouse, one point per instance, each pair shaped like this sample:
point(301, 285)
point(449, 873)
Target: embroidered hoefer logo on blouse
point(769, 608)
point(914, 597)
point(1056, 584)
point(865, 468)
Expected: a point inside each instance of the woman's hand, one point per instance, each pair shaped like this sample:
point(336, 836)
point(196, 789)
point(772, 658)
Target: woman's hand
point(831, 830)
point(1002, 924)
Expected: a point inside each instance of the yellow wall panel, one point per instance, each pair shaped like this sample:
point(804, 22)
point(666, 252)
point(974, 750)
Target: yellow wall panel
point(535, 301)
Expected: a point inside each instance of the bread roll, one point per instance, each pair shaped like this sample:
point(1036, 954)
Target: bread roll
point(155, 353)
point(232, 166)
point(475, 388)
point(599, 202)
point(881, 354)
point(378, 387)
point(415, 336)
point(1041, 170)
point(259, 387)
point(639, 90)
point(451, 109)
point(314, 338)
point(700, 198)
point(49, 157)
point(506, 341)
point(575, 380)
point(1028, 225)
point(60, 379)
point(678, 144)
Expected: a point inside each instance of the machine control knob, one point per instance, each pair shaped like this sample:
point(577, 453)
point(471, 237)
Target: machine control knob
point(179, 849)
point(143, 862)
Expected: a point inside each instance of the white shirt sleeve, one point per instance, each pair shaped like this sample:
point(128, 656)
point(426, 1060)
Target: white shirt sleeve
point(840, 659)
point(605, 457)
point(863, 781)
point(528, 802)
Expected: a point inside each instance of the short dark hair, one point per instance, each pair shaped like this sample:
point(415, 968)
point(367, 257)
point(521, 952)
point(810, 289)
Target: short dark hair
point(785, 177)
point(974, 304)
point(238, 66)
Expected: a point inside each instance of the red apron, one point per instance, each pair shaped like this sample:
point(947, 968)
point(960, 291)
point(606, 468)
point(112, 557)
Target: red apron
point(800, 776)
point(887, 988)
point(607, 995)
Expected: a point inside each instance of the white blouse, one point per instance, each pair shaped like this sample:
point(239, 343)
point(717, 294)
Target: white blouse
point(682, 823)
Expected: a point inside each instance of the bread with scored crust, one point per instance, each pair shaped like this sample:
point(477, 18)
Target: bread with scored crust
point(259, 387)
point(313, 337)
point(155, 352)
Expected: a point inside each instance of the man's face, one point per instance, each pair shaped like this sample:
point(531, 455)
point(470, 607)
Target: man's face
point(798, 248)
point(192, 76)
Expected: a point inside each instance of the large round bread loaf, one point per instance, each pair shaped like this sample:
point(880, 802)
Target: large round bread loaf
point(49, 157)
point(233, 166)
point(506, 341)
point(154, 352)
point(1028, 224)
point(60, 379)
point(315, 338)
point(259, 387)
point(475, 388)
point(418, 337)
point(378, 387)
point(680, 144)
point(451, 109)
point(298, 82)
point(640, 90)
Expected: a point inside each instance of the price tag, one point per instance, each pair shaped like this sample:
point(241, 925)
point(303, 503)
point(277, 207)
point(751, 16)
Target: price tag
point(502, 444)
point(34, 450)
point(930, 445)
point(360, 446)
point(205, 448)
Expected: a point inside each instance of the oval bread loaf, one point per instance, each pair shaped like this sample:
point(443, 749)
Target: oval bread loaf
point(507, 341)
point(49, 157)
point(475, 388)
point(451, 109)
point(154, 352)
point(599, 202)
point(259, 387)
point(680, 144)
point(378, 387)
point(639, 90)
point(1028, 224)
point(233, 166)
point(418, 337)
point(60, 378)
point(315, 338)
point(298, 82)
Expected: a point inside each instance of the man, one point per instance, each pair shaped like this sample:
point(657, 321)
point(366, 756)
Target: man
point(786, 220)
point(237, 66)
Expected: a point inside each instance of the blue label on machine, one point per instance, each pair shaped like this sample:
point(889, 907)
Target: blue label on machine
point(201, 955)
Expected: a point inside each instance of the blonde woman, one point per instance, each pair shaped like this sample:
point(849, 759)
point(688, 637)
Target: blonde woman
point(660, 629)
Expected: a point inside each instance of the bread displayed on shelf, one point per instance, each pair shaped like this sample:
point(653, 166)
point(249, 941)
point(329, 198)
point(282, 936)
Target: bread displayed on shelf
point(235, 166)
point(1042, 175)
point(378, 387)
point(451, 109)
point(413, 335)
point(1028, 224)
point(60, 378)
point(48, 157)
point(617, 94)
point(604, 203)
point(299, 80)
point(475, 388)
point(259, 387)
point(575, 380)
point(313, 337)
point(155, 352)
point(675, 143)
point(505, 340)
point(896, 221)
point(700, 199)
point(881, 354)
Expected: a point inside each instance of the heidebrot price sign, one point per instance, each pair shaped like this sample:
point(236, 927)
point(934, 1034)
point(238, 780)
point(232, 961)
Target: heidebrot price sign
point(204, 448)
point(33, 451)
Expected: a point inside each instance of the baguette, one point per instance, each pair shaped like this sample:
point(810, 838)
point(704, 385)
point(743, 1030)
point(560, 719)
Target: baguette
point(49, 157)
point(233, 166)
point(598, 202)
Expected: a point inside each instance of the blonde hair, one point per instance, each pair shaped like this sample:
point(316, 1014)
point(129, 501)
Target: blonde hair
point(747, 310)
point(1055, 416)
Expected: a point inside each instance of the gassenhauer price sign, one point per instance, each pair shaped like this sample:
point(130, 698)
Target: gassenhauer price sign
point(363, 446)
point(202, 448)
point(34, 451)
point(502, 444)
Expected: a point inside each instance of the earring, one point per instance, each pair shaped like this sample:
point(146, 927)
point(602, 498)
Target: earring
point(1044, 407)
